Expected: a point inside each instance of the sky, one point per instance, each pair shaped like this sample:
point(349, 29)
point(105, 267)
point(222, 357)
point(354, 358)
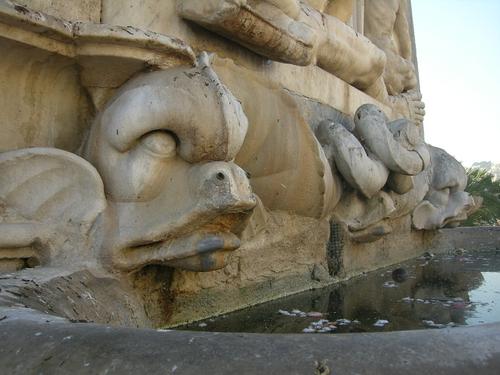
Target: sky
point(458, 50)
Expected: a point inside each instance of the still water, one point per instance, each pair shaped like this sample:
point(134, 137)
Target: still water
point(430, 292)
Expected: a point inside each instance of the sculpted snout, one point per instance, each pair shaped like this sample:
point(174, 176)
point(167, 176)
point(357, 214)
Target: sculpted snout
point(190, 225)
point(225, 187)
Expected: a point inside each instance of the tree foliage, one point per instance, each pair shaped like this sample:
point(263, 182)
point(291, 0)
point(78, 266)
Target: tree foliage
point(482, 183)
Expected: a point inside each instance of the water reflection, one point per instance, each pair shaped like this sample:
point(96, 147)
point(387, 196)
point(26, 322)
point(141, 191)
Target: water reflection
point(432, 291)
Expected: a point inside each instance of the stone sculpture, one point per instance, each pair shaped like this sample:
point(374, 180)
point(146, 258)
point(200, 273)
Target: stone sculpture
point(164, 189)
point(385, 164)
point(393, 173)
point(277, 30)
point(286, 163)
point(386, 25)
point(377, 154)
point(127, 163)
point(446, 203)
point(391, 146)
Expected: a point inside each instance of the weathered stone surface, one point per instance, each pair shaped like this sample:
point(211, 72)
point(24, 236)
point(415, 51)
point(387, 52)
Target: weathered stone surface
point(48, 105)
point(386, 25)
point(317, 36)
point(81, 10)
point(59, 348)
point(51, 198)
point(277, 257)
point(285, 161)
point(308, 37)
point(74, 295)
point(310, 81)
point(477, 238)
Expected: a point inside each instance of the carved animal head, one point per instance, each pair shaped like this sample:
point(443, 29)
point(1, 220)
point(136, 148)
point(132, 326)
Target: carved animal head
point(446, 203)
point(164, 147)
point(162, 187)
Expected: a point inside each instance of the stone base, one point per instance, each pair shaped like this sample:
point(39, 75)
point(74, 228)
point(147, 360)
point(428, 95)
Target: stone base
point(304, 259)
point(305, 254)
point(400, 245)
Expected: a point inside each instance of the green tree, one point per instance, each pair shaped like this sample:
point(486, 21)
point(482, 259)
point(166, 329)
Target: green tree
point(482, 183)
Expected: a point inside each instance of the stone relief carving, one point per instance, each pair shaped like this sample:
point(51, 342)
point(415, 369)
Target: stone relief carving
point(50, 200)
point(302, 38)
point(313, 35)
point(288, 169)
point(386, 148)
point(446, 203)
point(385, 164)
point(391, 172)
point(386, 25)
point(164, 189)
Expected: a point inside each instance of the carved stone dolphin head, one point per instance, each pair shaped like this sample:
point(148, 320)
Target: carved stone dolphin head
point(164, 147)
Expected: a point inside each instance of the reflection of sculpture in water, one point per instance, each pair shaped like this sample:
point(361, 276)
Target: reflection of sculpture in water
point(439, 282)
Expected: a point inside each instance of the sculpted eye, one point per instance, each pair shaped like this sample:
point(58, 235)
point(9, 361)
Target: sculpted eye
point(160, 143)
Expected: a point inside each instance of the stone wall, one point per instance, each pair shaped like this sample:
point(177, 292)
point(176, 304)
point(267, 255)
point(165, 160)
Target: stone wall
point(81, 10)
point(469, 238)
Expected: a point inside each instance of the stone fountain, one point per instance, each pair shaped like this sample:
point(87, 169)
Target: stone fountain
point(167, 161)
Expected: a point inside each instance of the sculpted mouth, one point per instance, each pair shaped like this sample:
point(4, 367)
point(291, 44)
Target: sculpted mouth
point(198, 251)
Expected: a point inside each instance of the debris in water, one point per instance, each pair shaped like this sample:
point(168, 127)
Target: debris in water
point(321, 326)
point(315, 314)
point(301, 314)
point(343, 322)
point(460, 251)
point(427, 255)
point(400, 275)
point(390, 284)
point(381, 323)
point(431, 324)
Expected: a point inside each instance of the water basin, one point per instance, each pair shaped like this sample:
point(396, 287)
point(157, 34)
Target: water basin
point(431, 292)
